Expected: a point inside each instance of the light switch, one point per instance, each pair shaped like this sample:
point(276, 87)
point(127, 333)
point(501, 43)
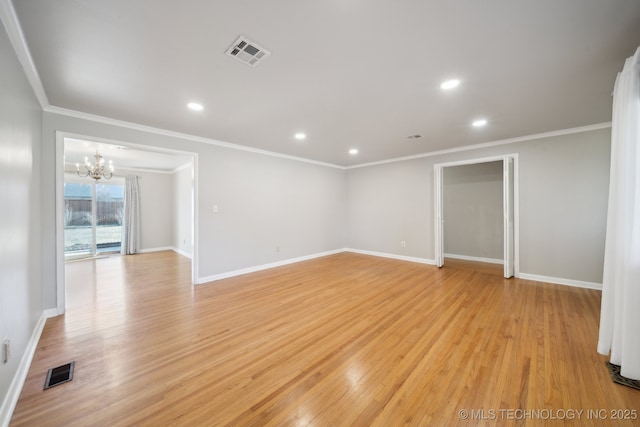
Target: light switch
point(215, 208)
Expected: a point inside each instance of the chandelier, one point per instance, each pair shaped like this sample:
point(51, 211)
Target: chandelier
point(96, 170)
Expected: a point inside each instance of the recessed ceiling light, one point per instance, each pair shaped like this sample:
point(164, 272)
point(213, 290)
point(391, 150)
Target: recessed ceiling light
point(195, 106)
point(450, 84)
point(300, 136)
point(479, 123)
point(353, 151)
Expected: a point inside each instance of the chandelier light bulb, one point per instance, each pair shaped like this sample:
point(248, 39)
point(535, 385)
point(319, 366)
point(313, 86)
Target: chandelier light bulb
point(96, 170)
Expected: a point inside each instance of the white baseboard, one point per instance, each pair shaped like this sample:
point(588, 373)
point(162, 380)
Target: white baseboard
point(475, 258)
point(559, 281)
point(392, 256)
point(158, 249)
point(15, 388)
point(248, 270)
point(181, 252)
point(166, 248)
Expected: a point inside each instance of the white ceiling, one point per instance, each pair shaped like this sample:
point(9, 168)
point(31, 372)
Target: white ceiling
point(124, 158)
point(348, 73)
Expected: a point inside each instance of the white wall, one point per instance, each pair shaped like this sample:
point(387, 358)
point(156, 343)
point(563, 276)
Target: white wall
point(388, 204)
point(563, 204)
point(265, 202)
point(473, 211)
point(20, 253)
point(156, 210)
point(182, 210)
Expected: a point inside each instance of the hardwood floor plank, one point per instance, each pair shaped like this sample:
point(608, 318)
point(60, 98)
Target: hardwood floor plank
point(346, 339)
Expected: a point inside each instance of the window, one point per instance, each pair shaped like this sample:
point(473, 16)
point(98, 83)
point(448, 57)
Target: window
point(93, 214)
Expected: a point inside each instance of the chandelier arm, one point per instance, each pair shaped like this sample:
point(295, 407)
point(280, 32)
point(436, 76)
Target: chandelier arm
point(97, 170)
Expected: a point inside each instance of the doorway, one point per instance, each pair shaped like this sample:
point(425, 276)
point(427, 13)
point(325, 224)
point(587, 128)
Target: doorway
point(94, 208)
point(509, 211)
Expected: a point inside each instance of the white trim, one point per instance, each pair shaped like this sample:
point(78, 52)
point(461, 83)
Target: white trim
point(158, 249)
point(195, 224)
point(560, 281)
point(181, 252)
point(109, 141)
point(59, 209)
point(15, 388)
point(256, 268)
point(475, 161)
point(438, 184)
point(69, 166)
point(19, 43)
point(488, 144)
point(142, 170)
point(179, 168)
point(475, 258)
point(166, 248)
point(59, 221)
point(392, 256)
point(438, 228)
point(516, 215)
point(50, 312)
point(172, 134)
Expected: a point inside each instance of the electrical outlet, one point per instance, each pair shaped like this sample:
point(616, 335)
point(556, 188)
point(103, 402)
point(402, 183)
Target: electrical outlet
point(277, 248)
point(6, 351)
point(403, 244)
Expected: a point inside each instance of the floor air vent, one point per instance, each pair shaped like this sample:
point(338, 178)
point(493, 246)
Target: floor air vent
point(247, 52)
point(59, 375)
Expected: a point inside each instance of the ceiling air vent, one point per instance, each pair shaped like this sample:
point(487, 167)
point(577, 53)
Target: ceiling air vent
point(247, 52)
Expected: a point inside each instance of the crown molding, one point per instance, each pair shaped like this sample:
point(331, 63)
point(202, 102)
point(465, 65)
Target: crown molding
point(150, 129)
point(489, 144)
point(19, 43)
point(173, 134)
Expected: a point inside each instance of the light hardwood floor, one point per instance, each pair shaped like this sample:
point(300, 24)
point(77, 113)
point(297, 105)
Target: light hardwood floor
point(346, 339)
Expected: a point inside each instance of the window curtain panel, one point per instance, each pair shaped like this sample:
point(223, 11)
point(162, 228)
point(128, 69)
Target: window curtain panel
point(620, 314)
point(131, 229)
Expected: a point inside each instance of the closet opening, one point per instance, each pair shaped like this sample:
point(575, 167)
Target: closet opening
point(476, 213)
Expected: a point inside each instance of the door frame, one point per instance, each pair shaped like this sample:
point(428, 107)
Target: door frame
point(59, 206)
point(511, 240)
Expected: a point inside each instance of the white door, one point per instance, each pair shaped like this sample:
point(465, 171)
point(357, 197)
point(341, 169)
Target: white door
point(508, 204)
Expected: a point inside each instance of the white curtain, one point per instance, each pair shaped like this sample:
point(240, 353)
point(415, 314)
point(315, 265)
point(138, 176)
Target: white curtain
point(620, 314)
point(131, 228)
